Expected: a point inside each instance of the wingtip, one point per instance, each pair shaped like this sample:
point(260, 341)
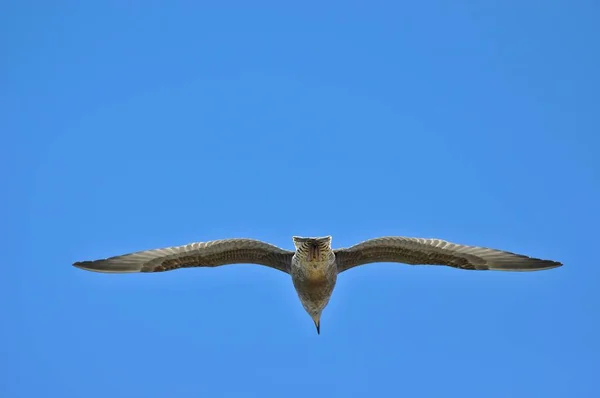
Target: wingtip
point(543, 266)
point(549, 264)
point(79, 264)
point(556, 264)
point(100, 266)
point(85, 265)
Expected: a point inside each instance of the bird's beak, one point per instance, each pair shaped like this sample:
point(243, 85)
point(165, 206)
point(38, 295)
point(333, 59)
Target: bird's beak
point(317, 320)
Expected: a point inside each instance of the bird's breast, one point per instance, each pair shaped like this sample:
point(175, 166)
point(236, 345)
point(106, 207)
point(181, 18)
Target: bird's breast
point(313, 273)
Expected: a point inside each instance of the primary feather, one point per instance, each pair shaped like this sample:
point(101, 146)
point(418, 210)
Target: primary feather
point(199, 254)
point(418, 251)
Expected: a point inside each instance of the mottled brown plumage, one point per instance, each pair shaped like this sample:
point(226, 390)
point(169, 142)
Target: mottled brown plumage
point(201, 254)
point(314, 265)
point(418, 251)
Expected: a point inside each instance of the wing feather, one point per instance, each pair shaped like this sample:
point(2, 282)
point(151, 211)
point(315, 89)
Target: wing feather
point(198, 254)
point(419, 251)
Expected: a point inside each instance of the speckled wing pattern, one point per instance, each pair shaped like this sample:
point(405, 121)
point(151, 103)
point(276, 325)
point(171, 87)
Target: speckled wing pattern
point(201, 254)
point(418, 251)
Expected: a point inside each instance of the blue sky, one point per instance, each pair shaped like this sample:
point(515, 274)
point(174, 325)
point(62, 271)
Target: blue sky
point(146, 124)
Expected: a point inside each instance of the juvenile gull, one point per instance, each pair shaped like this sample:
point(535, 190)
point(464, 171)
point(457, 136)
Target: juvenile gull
point(314, 265)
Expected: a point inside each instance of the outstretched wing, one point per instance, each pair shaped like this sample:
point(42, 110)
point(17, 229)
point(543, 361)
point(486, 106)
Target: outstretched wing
point(200, 254)
point(415, 251)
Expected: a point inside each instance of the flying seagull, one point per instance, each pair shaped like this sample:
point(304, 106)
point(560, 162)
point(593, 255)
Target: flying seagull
point(314, 265)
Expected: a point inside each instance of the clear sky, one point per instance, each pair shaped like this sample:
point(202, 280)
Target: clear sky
point(136, 125)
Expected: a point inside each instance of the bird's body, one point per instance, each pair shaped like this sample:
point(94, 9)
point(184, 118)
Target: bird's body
point(314, 273)
point(314, 265)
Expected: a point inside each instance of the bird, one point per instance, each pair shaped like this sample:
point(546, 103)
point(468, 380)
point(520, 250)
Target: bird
point(314, 265)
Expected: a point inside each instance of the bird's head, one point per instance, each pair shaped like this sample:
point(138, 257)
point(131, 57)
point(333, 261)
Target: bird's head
point(313, 249)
